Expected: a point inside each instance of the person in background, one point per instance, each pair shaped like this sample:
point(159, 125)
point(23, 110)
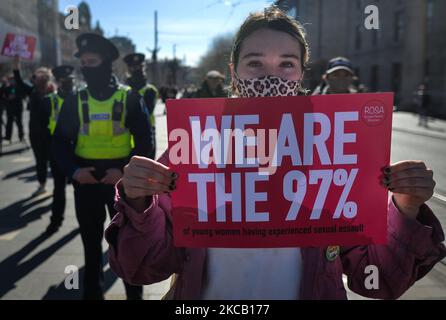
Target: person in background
point(338, 79)
point(422, 100)
point(65, 88)
point(3, 84)
point(14, 110)
point(212, 86)
point(137, 80)
point(39, 134)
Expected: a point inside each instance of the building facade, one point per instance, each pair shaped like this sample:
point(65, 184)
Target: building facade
point(408, 49)
point(19, 17)
point(42, 20)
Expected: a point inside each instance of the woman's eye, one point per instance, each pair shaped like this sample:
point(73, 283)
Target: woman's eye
point(254, 64)
point(287, 64)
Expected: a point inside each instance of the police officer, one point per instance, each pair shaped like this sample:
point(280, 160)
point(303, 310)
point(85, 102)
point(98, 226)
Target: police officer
point(138, 82)
point(338, 79)
point(92, 143)
point(65, 87)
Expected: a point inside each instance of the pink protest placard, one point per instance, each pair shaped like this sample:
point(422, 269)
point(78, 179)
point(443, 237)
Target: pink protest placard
point(280, 172)
point(18, 45)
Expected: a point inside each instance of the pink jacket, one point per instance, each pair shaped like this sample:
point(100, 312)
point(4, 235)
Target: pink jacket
point(142, 252)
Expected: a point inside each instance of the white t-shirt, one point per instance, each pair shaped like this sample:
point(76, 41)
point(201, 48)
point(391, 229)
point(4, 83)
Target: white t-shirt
point(253, 274)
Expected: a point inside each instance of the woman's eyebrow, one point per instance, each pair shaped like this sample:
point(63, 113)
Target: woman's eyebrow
point(290, 55)
point(253, 54)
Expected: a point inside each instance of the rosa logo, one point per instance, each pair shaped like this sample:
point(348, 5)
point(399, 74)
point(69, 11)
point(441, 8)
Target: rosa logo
point(373, 113)
point(373, 110)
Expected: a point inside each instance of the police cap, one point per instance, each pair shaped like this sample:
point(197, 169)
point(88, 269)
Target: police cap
point(63, 71)
point(95, 43)
point(134, 59)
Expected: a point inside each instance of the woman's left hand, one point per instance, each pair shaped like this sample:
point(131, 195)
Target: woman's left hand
point(411, 183)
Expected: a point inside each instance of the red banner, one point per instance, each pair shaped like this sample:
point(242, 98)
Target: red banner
point(23, 46)
point(280, 172)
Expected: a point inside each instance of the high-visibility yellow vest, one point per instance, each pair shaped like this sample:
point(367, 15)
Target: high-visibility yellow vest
point(56, 104)
point(142, 92)
point(102, 133)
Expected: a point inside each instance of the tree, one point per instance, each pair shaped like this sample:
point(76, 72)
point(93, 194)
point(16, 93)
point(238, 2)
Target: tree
point(217, 57)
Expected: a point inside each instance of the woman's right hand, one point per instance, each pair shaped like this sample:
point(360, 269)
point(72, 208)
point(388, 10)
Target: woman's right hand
point(144, 178)
point(16, 63)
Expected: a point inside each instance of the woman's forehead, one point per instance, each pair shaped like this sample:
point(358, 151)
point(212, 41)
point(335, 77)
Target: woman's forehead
point(270, 42)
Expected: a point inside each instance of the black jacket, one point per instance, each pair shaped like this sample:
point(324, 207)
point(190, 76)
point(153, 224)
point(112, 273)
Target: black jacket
point(38, 109)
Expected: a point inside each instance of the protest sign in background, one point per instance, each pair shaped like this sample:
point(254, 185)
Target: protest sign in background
point(280, 172)
point(18, 45)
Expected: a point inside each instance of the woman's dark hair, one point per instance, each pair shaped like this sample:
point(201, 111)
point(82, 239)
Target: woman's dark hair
point(274, 19)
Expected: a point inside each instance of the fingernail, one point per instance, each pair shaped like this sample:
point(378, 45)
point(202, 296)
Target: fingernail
point(174, 175)
point(386, 180)
point(387, 170)
point(172, 187)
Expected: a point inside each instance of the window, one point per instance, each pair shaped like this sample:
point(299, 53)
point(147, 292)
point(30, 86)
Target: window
point(357, 72)
point(358, 40)
point(375, 37)
point(398, 29)
point(430, 14)
point(374, 78)
point(396, 79)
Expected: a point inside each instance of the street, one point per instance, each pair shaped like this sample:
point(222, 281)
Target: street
point(32, 266)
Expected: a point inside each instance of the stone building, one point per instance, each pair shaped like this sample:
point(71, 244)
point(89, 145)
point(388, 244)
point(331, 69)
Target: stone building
point(408, 48)
point(19, 17)
point(42, 20)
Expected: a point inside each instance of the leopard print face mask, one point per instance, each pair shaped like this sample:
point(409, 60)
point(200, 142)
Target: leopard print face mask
point(268, 86)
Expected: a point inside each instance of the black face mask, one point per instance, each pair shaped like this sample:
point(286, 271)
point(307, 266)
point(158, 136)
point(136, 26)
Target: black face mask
point(137, 79)
point(98, 78)
point(67, 86)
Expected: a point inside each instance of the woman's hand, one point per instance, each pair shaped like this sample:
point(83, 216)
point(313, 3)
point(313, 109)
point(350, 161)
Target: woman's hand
point(16, 63)
point(411, 183)
point(143, 178)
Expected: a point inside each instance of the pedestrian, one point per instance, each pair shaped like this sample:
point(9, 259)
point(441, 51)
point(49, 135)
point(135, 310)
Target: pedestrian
point(164, 94)
point(3, 84)
point(212, 86)
point(65, 88)
point(14, 110)
point(92, 144)
point(39, 135)
point(338, 79)
point(137, 80)
point(422, 102)
point(270, 49)
point(190, 92)
point(168, 93)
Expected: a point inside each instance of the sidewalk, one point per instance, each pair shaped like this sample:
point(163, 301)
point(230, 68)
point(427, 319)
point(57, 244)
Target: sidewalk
point(408, 122)
point(32, 265)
